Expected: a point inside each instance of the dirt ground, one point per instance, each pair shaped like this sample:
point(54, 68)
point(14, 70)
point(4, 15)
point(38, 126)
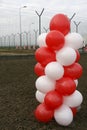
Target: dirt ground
point(17, 97)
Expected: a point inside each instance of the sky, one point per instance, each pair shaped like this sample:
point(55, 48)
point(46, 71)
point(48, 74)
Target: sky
point(9, 14)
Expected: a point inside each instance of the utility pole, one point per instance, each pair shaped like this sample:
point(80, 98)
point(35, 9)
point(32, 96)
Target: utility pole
point(20, 24)
point(26, 38)
point(35, 31)
point(77, 25)
point(39, 15)
point(9, 40)
point(46, 29)
point(29, 37)
point(71, 19)
point(13, 35)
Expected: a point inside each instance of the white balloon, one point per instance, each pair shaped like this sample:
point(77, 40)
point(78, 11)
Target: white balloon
point(44, 84)
point(39, 96)
point(66, 56)
point(76, 82)
point(54, 70)
point(63, 115)
point(41, 40)
point(74, 100)
point(74, 40)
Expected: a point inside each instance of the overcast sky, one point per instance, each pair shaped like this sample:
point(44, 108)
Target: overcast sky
point(9, 14)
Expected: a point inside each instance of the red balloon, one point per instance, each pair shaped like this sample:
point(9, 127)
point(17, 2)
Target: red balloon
point(65, 86)
point(44, 55)
point(61, 23)
point(43, 114)
point(39, 69)
point(53, 100)
point(74, 71)
point(74, 110)
point(55, 40)
point(78, 56)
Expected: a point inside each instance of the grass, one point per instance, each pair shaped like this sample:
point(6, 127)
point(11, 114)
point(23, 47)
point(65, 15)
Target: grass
point(9, 51)
point(17, 97)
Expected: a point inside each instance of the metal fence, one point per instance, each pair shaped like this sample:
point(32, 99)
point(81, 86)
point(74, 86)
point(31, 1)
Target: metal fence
point(28, 40)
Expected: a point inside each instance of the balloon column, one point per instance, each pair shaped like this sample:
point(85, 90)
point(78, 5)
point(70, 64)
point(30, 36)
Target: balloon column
point(58, 70)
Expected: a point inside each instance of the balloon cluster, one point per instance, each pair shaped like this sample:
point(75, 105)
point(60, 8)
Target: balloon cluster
point(58, 70)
